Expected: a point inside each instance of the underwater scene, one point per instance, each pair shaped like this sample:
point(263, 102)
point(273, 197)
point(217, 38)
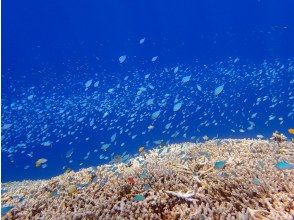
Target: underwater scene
point(147, 110)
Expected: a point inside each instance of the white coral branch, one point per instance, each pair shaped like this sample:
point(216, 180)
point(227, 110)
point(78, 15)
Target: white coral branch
point(188, 196)
point(256, 213)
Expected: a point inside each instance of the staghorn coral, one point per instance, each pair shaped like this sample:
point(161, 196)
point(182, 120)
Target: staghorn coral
point(177, 182)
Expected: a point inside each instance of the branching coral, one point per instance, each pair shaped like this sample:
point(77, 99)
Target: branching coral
point(188, 196)
point(176, 182)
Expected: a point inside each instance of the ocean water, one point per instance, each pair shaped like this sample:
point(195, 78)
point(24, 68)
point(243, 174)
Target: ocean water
point(86, 83)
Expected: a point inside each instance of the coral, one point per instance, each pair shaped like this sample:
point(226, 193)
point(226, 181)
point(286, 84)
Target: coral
point(177, 181)
point(279, 137)
point(188, 196)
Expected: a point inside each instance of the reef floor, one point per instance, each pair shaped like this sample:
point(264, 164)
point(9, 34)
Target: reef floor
point(218, 179)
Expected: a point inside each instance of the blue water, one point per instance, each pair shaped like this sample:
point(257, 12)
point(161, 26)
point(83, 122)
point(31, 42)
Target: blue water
point(51, 49)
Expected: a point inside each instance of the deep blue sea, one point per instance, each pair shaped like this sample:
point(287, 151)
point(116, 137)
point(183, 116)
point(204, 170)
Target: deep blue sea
point(85, 83)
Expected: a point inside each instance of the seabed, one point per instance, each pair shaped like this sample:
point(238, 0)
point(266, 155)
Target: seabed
point(218, 179)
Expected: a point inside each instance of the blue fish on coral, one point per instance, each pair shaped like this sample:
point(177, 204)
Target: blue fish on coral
point(6, 209)
point(256, 181)
point(3, 191)
point(220, 164)
point(139, 198)
point(284, 165)
point(146, 187)
point(144, 174)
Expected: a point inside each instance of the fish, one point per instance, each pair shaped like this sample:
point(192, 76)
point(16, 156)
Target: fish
point(139, 198)
point(155, 115)
point(291, 130)
point(218, 90)
point(199, 87)
point(284, 165)
point(141, 150)
point(142, 40)
point(88, 83)
point(154, 58)
point(40, 161)
point(177, 106)
point(131, 180)
point(122, 58)
point(186, 79)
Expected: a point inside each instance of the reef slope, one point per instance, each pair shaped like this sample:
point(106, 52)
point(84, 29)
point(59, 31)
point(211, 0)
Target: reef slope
point(218, 179)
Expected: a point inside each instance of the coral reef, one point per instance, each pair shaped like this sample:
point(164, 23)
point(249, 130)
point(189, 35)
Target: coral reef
point(179, 181)
point(279, 137)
